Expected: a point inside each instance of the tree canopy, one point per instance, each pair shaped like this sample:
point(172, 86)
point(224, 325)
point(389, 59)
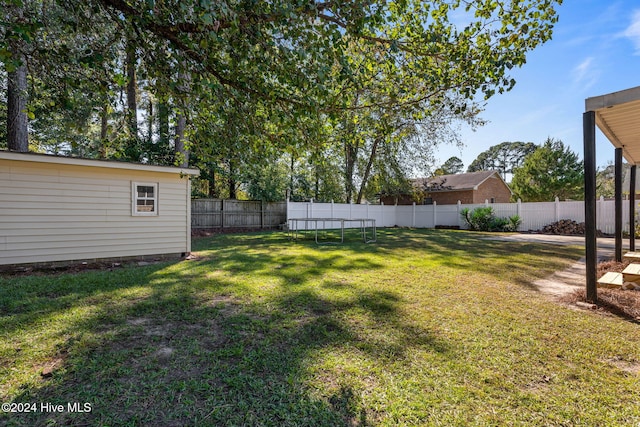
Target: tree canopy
point(503, 157)
point(452, 165)
point(239, 84)
point(551, 171)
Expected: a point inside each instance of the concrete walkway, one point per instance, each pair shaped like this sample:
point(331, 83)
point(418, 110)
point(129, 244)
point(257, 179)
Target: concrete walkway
point(572, 278)
point(604, 243)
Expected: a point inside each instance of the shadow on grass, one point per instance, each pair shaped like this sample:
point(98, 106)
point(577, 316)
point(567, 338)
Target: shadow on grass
point(163, 346)
point(473, 253)
point(228, 339)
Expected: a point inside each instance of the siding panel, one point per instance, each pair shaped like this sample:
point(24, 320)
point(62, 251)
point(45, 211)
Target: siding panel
point(80, 239)
point(65, 212)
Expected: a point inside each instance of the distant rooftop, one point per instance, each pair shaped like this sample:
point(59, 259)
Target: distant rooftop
point(456, 182)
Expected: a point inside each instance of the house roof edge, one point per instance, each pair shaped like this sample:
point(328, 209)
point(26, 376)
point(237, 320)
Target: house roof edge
point(110, 164)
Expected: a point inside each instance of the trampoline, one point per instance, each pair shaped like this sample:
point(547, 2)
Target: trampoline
point(319, 225)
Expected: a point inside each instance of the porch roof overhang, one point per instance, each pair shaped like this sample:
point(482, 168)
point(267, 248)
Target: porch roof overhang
point(618, 117)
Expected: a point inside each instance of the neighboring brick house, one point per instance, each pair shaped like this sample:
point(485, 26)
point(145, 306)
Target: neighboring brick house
point(469, 188)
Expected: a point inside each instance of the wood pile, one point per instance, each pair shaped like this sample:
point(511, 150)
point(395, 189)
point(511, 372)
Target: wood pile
point(564, 226)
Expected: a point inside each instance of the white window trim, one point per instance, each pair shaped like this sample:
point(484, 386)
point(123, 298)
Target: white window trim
point(134, 198)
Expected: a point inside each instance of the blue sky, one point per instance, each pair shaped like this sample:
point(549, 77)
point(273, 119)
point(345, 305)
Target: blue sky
point(595, 50)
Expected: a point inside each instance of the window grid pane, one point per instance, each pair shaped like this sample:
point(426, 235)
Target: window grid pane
point(145, 200)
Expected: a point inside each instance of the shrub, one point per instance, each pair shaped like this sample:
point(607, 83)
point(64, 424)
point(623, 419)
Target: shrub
point(478, 219)
point(484, 219)
point(498, 224)
point(514, 223)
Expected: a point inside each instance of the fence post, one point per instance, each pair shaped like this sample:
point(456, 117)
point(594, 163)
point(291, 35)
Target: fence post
point(435, 213)
point(413, 216)
point(556, 210)
point(310, 215)
point(381, 214)
point(261, 213)
point(222, 213)
point(395, 213)
point(486, 203)
point(332, 216)
point(519, 213)
point(460, 224)
point(213, 216)
point(599, 207)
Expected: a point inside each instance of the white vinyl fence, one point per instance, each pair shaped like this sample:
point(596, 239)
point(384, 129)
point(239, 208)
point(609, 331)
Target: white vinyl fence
point(534, 215)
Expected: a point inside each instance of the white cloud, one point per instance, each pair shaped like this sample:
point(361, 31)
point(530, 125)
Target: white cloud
point(579, 41)
point(536, 115)
point(582, 70)
point(586, 73)
point(633, 31)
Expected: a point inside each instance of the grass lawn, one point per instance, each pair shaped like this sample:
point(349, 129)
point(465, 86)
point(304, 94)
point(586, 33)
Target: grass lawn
point(425, 327)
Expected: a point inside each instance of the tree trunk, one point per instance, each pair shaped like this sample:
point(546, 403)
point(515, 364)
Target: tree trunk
point(316, 192)
point(104, 129)
point(291, 177)
point(213, 192)
point(163, 124)
point(164, 138)
point(17, 94)
point(351, 154)
point(367, 171)
point(150, 120)
point(181, 153)
point(232, 181)
point(351, 147)
point(17, 123)
point(132, 104)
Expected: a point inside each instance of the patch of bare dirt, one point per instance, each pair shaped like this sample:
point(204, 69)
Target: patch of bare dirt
point(46, 269)
point(215, 231)
point(73, 267)
point(629, 366)
point(47, 370)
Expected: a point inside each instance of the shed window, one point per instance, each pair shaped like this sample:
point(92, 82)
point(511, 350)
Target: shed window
point(145, 199)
